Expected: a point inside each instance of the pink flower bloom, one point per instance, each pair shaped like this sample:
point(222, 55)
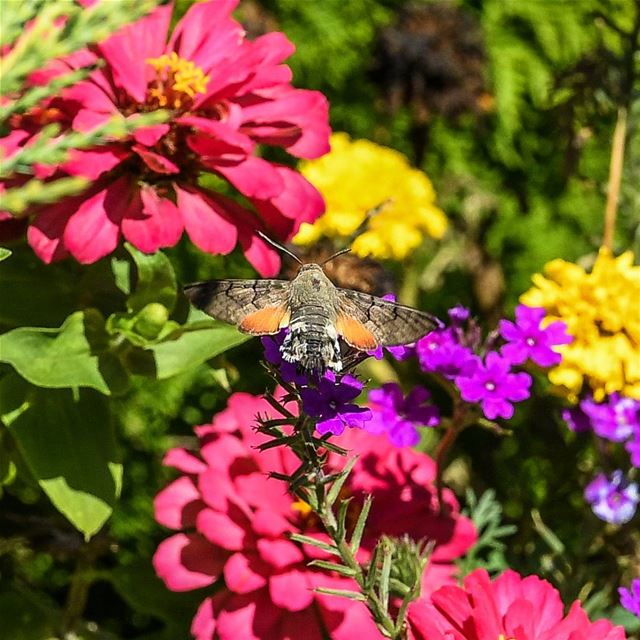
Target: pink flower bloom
point(233, 523)
point(509, 608)
point(227, 95)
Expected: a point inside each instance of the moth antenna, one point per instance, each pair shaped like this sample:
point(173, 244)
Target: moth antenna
point(335, 255)
point(279, 246)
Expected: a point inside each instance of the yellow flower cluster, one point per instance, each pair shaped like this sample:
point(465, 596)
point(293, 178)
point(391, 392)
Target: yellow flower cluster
point(359, 176)
point(602, 312)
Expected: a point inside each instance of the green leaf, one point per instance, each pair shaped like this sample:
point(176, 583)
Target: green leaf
point(156, 280)
point(58, 358)
point(69, 446)
point(194, 345)
point(4, 253)
point(359, 528)
point(297, 537)
point(343, 593)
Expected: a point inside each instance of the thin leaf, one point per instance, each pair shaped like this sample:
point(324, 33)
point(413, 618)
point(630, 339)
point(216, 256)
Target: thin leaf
point(318, 544)
point(330, 566)
point(336, 487)
point(343, 593)
point(359, 528)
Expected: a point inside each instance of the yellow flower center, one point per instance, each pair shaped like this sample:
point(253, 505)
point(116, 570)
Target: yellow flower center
point(177, 82)
point(502, 637)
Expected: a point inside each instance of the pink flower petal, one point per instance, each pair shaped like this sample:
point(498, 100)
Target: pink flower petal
point(244, 574)
point(291, 590)
point(252, 177)
point(247, 617)
point(177, 504)
point(221, 530)
point(279, 553)
point(148, 136)
point(158, 224)
point(183, 461)
point(45, 232)
point(219, 130)
point(92, 163)
point(186, 562)
point(206, 222)
point(93, 230)
point(207, 34)
point(156, 162)
point(128, 49)
point(266, 522)
point(203, 625)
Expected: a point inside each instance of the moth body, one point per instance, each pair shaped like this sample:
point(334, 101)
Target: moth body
point(318, 314)
point(312, 340)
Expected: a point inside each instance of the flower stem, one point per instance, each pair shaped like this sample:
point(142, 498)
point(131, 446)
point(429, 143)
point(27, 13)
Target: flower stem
point(615, 178)
point(458, 422)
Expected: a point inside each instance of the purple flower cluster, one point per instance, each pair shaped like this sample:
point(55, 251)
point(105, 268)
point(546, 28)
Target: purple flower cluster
point(329, 398)
point(331, 402)
point(398, 416)
point(491, 380)
point(613, 499)
point(617, 420)
point(630, 598)
point(528, 340)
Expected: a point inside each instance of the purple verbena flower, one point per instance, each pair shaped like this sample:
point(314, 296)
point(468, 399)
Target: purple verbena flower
point(440, 352)
point(612, 499)
point(617, 419)
point(398, 416)
point(630, 598)
point(459, 315)
point(528, 340)
point(494, 386)
point(633, 448)
point(577, 420)
point(330, 402)
point(288, 370)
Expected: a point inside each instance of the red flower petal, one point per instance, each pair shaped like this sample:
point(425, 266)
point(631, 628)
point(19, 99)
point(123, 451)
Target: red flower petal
point(244, 574)
point(128, 49)
point(188, 562)
point(93, 163)
point(253, 177)
point(218, 130)
point(155, 161)
point(203, 625)
point(159, 224)
point(148, 136)
point(207, 34)
point(45, 232)
point(206, 222)
point(93, 230)
point(279, 553)
point(170, 505)
point(221, 530)
point(183, 461)
point(291, 590)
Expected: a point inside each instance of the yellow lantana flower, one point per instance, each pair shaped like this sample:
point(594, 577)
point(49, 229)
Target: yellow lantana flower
point(602, 311)
point(357, 176)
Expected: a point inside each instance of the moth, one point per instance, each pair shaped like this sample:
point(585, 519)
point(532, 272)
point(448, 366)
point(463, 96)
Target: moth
point(318, 314)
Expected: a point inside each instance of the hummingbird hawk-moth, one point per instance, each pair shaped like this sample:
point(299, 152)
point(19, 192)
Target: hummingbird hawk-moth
point(317, 313)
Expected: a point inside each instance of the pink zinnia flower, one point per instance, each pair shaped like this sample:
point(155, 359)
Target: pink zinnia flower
point(237, 522)
point(227, 95)
point(509, 608)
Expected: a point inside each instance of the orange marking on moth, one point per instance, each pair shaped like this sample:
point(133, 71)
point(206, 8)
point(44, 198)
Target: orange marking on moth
point(265, 321)
point(355, 333)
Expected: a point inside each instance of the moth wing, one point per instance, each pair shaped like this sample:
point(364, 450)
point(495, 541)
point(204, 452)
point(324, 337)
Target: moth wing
point(258, 307)
point(366, 322)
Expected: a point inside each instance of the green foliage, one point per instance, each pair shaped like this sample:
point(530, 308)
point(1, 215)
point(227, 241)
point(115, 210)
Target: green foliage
point(489, 551)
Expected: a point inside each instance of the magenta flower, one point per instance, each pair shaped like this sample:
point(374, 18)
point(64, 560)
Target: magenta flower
point(577, 420)
point(233, 522)
point(528, 340)
point(330, 401)
point(495, 387)
point(617, 419)
point(613, 499)
point(441, 352)
point(509, 607)
point(630, 598)
point(227, 95)
point(398, 416)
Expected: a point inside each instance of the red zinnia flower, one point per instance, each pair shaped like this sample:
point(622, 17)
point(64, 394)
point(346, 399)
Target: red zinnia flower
point(238, 522)
point(227, 95)
point(509, 608)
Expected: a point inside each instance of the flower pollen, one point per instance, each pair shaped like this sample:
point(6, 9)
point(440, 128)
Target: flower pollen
point(177, 83)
